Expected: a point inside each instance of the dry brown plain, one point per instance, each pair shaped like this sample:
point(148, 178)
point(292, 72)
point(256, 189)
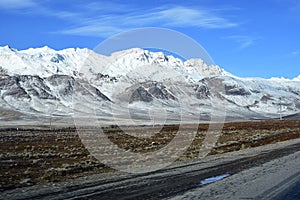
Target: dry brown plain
point(33, 156)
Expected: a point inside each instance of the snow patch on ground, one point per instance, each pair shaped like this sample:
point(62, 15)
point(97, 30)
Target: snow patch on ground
point(213, 179)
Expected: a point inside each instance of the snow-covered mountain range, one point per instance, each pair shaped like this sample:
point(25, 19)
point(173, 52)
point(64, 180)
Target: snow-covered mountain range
point(134, 84)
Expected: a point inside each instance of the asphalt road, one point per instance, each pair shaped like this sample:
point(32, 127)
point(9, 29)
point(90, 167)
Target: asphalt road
point(290, 193)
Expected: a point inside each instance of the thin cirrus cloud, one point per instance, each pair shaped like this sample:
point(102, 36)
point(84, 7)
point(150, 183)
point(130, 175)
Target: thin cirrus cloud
point(243, 41)
point(182, 16)
point(293, 5)
point(105, 19)
point(16, 4)
point(107, 24)
point(295, 53)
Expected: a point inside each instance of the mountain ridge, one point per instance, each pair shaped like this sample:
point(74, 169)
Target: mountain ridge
point(85, 51)
point(43, 81)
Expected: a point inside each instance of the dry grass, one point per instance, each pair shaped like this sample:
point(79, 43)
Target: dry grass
point(36, 156)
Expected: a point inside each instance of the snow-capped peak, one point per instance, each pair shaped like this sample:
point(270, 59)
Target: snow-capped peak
point(297, 78)
point(7, 48)
point(128, 60)
point(200, 67)
point(41, 50)
point(45, 62)
point(136, 51)
point(141, 55)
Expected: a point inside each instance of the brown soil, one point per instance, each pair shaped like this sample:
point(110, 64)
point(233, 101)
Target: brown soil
point(31, 156)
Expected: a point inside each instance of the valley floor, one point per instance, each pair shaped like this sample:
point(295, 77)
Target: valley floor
point(39, 158)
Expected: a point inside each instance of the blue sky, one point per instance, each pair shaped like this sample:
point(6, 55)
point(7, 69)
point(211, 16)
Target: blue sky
point(259, 38)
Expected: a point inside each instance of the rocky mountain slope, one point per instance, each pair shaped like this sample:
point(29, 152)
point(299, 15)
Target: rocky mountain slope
point(135, 84)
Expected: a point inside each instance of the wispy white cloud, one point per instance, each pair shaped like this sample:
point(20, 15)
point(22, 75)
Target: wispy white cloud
point(182, 16)
point(296, 53)
point(172, 17)
point(243, 41)
point(92, 30)
point(16, 4)
point(293, 5)
point(108, 18)
point(107, 7)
